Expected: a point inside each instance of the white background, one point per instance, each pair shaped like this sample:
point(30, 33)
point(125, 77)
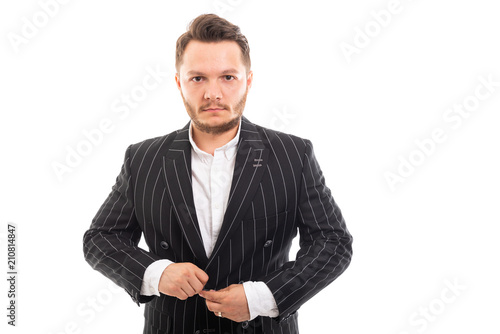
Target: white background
point(437, 228)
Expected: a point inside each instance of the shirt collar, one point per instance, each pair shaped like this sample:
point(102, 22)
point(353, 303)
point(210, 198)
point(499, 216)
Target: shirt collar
point(229, 149)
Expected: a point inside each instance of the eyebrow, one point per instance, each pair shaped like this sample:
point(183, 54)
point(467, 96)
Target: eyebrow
point(225, 72)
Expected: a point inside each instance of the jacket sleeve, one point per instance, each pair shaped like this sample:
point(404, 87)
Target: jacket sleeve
point(325, 243)
point(110, 244)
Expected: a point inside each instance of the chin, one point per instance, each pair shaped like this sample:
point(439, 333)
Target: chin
point(216, 118)
point(217, 125)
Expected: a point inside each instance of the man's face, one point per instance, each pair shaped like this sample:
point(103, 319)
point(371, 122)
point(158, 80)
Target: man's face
point(214, 85)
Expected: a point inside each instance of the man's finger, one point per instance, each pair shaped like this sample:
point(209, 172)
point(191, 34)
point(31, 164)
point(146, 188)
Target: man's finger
point(188, 290)
point(196, 284)
point(202, 276)
point(212, 295)
point(214, 307)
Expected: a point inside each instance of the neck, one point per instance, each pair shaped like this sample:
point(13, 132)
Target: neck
point(208, 142)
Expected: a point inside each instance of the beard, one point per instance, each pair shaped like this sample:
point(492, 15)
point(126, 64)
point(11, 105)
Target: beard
point(220, 128)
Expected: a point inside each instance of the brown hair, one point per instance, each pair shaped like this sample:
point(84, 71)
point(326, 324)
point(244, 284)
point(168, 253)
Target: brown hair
point(212, 28)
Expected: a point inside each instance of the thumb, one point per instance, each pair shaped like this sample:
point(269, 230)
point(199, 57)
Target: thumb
point(212, 295)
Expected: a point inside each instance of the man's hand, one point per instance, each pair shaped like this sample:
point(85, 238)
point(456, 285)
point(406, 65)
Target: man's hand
point(182, 280)
point(231, 302)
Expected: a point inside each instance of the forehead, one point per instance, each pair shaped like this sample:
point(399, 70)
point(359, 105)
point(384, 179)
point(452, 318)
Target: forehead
point(211, 57)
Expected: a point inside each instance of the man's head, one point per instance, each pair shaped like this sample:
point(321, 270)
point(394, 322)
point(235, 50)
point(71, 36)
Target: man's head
point(211, 28)
point(213, 73)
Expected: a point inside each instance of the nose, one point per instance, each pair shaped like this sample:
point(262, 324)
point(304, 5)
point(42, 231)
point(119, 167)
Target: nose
point(213, 91)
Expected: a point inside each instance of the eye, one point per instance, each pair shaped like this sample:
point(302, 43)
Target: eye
point(196, 79)
point(229, 77)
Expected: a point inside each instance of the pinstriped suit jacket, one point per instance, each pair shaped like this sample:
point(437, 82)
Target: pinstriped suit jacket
point(277, 189)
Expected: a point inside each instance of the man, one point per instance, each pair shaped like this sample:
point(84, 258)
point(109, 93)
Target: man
point(218, 203)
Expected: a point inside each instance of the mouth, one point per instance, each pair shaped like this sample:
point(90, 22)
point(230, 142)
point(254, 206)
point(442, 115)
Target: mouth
point(213, 109)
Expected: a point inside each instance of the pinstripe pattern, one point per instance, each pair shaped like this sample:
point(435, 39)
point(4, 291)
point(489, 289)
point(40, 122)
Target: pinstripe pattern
point(277, 189)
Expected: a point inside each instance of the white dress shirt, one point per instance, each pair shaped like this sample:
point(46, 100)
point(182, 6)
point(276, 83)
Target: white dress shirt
point(211, 181)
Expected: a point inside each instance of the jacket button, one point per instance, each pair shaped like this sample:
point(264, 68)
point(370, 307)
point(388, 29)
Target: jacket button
point(268, 243)
point(164, 245)
point(244, 325)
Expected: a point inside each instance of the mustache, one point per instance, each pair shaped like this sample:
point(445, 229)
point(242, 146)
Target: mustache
point(217, 105)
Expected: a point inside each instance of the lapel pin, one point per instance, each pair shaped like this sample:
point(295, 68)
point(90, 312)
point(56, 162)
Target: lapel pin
point(257, 162)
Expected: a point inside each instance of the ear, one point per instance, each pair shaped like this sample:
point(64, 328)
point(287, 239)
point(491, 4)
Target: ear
point(178, 80)
point(249, 79)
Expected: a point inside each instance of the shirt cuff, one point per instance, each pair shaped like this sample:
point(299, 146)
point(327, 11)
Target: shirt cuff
point(260, 300)
point(151, 279)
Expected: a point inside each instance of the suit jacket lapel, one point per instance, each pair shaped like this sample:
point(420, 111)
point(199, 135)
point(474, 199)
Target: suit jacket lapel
point(177, 171)
point(250, 165)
